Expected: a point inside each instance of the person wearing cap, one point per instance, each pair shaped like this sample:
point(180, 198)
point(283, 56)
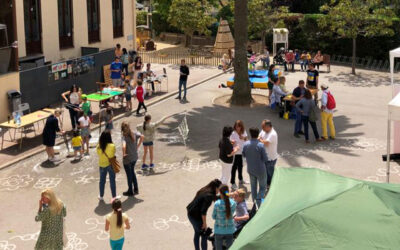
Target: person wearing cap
point(49, 134)
point(116, 69)
point(326, 114)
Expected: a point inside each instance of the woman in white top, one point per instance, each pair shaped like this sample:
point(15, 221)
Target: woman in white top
point(238, 138)
point(73, 99)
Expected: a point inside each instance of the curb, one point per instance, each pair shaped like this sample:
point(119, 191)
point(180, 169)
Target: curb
point(40, 149)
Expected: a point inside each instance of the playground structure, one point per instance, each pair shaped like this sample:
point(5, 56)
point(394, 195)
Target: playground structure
point(258, 79)
point(280, 36)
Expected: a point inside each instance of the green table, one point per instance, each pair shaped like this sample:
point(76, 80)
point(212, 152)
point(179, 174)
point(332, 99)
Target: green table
point(98, 97)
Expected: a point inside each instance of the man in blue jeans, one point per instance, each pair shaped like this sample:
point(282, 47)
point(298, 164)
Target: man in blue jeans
point(255, 155)
point(298, 93)
point(269, 138)
point(184, 72)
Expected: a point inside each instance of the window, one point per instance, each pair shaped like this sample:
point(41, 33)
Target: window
point(118, 18)
point(8, 34)
point(33, 27)
point(93, 15)
point(65, 24)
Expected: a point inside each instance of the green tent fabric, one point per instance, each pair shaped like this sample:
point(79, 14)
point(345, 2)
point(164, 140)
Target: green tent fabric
point(313, 209)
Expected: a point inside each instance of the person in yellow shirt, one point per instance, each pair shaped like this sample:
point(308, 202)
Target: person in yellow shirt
point(117, 222)
point(106, 150)
point(77, 145)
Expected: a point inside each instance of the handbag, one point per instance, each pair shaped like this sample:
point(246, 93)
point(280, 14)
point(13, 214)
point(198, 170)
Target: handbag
point(114, 163)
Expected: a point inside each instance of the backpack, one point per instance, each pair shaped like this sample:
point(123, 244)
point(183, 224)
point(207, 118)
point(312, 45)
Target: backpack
point(331, 104)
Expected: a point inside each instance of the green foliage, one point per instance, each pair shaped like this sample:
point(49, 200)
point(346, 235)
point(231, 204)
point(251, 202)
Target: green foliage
point(353, 18)
point(141, 17)
point(190, 16)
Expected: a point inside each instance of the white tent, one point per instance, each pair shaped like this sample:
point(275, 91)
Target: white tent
point(393, 110)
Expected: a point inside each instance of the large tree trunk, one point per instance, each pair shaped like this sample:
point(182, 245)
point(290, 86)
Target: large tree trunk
point(353, 64)
point(241, 91)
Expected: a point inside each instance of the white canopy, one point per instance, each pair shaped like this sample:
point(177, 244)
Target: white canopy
point(393, 109)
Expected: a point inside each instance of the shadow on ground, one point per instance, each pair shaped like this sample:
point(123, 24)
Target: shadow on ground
point(362, 79)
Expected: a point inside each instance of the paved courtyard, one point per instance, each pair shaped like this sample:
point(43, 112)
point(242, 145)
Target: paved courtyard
point(158, 213)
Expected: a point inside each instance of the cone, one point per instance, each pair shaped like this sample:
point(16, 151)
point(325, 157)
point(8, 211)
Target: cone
point(224, 39)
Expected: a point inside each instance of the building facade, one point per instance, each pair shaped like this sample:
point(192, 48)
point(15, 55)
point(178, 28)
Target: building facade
point(57, 29)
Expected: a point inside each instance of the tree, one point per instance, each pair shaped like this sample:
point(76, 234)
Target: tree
point(241, 94)
point(190, 16)
point(264, 17)
point(353, 18)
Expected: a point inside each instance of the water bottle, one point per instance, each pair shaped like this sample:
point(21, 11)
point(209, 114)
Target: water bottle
point(18, 118)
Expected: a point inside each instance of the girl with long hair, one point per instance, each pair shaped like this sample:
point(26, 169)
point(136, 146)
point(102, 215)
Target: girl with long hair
point(106, 150)
point(117, 222)
point(238, 138)
point(51, 213)
point(226, 153)
point(148, 130)
point(138, 66)
point(73, 99)
point(272, 79)
point(308, 110)
point(197, 212)
point(125, 60)
point(224, 225)
point(130, 143)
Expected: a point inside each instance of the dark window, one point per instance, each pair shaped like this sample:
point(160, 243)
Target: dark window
point(33, 27)
point(8, 34)
point(93, 14)
point(118, 18)
point(65, 24)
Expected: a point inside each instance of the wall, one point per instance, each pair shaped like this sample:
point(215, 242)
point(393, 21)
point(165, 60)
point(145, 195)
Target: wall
point(8, 82)
point(35, 84)
point(50, 43)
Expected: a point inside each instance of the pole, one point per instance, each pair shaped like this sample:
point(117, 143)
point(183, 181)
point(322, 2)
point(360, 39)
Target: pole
point(388, 149)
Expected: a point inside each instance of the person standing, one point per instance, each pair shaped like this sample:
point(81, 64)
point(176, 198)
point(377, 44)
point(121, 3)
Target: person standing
point(272, 79)
point(138, 65)
point(238, 138)
point(297, 94)
point(226, 153)
point(106, 150)
point(307, 109)
point(73, 99)
point(265, 58)
point(140, 93)
point(84, 124)
point(49, 134)
point(125, 61)
point(184, 72)
point(118, 52)
point(255, 155)
point(130, 143)
point(313, 79)
point(328, 104)
point(116, 223)
point(116, 70)
point(51, 213)
point(197, 212)
point(269, 138)
point(224, 225)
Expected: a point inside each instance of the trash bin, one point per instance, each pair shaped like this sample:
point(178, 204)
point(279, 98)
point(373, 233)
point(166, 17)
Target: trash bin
point(14, 99)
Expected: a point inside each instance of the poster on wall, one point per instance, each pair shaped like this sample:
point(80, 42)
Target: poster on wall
point(71, 68)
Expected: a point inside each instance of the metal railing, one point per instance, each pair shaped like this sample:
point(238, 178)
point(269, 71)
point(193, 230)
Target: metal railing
point(365, 63)
point(175, 57)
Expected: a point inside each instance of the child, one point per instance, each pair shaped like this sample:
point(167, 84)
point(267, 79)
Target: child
point(84, 124)
point(140, 92)
point(86, 107)
point(148, 130)
point(117, 222)
point(224, 226)
point(109, 118)
point(77, 145)
point(128, 95)
point(242, 215)
point(150, 73)
point(282, 81)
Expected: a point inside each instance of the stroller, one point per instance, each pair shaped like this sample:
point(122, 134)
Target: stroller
point(279, 58)
point(252, 212)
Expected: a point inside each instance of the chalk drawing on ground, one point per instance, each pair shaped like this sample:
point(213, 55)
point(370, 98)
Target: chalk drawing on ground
point(15, 182)
point(5, 245)
point(47, 182)
point(164, 224)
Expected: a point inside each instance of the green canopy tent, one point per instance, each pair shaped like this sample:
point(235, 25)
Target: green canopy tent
point(313, 209)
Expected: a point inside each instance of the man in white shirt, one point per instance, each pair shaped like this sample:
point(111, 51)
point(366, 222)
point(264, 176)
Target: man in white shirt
point(269, 138)
point(326, 114)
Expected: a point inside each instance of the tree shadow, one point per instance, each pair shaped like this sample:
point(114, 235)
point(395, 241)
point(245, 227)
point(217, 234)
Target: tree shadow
point(362, 79)
point(206, 123)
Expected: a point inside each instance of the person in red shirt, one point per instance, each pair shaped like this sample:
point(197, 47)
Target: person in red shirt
point(289, 59)
point(140, 92)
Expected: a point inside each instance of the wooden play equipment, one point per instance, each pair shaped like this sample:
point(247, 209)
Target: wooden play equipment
point(224, 39)
point(280, 36)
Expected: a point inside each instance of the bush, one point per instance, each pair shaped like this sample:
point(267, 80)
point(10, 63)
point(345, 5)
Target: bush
point(141, 18)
